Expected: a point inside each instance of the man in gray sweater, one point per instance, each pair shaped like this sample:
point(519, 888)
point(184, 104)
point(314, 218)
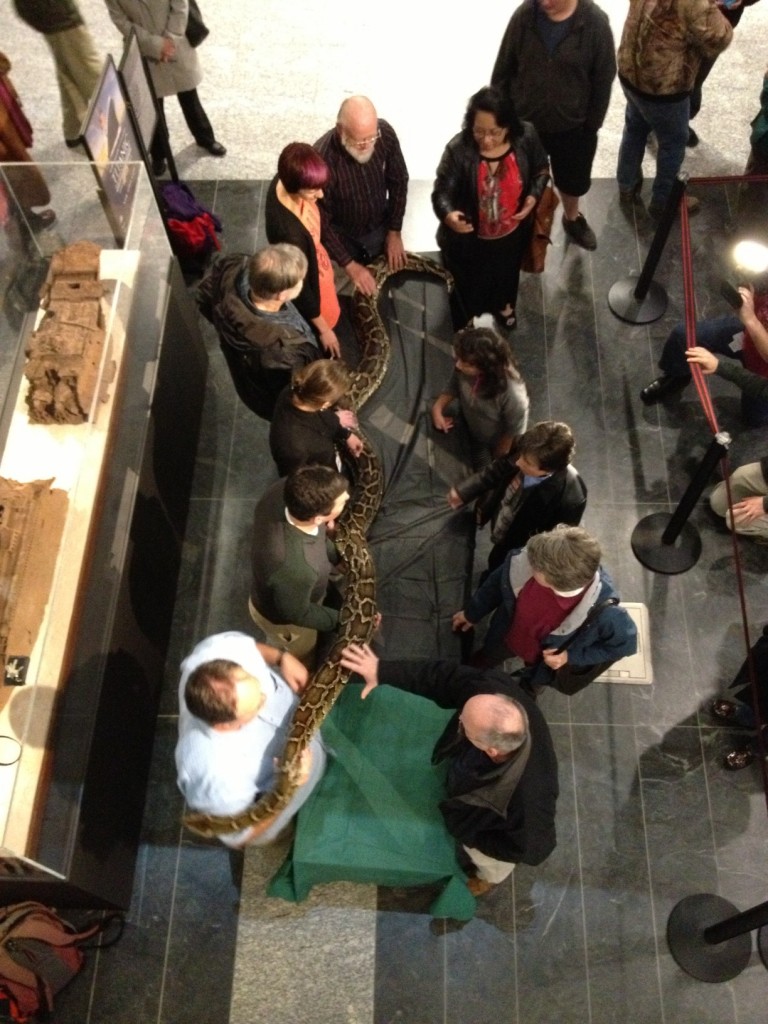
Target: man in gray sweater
point(292, 558)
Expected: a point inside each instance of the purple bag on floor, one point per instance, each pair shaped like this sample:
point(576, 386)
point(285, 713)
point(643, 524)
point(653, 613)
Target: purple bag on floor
point(192, 226)
point(179, 203)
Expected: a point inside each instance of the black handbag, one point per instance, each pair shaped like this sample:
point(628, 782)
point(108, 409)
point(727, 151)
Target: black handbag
point(196, 30)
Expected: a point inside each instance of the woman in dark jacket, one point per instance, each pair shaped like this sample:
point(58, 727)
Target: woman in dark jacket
point(292, 215)
point(488, 182)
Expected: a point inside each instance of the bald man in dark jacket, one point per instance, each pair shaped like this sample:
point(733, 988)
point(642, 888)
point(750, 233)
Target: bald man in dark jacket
point(502, 774)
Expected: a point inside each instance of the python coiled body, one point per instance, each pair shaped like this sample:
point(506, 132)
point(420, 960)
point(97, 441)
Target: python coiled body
point(358, 612)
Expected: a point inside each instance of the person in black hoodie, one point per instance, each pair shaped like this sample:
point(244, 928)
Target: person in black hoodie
point(528, 491)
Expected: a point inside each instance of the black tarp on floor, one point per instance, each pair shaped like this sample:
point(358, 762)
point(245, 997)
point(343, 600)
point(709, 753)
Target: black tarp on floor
point(423, 549)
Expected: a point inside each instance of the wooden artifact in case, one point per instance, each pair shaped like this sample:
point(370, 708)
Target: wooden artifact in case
point(65, 352)
point(32, 519)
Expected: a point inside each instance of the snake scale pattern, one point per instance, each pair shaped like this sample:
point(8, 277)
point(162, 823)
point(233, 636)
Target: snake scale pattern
point(357, 614)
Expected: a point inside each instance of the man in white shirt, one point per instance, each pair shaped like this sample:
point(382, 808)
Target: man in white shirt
point(235, 712)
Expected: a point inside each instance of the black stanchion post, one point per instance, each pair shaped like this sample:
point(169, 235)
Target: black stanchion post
point(746, 921)
point(669, 543)
point(707, 946)
point(638, 299)
point(712, 456)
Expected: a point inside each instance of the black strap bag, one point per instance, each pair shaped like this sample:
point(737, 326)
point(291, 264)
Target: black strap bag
point(196, 30)
point(568, 679)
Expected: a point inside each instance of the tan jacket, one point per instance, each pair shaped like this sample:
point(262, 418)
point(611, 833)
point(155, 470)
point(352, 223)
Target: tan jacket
point(664, 41)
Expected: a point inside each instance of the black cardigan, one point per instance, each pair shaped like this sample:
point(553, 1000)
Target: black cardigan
point(298, 438)
point(284, 226)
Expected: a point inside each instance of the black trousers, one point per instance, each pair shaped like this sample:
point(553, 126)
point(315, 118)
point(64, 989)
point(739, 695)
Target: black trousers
point(197, 122)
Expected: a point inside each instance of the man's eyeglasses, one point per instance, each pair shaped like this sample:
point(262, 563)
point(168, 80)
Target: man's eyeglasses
point(362, 143)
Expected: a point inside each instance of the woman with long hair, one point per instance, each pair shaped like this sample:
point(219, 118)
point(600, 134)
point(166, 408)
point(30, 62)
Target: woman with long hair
point(489, 390)
point(489, 180)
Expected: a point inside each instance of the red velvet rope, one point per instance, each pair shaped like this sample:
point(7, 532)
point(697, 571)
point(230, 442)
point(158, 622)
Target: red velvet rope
point(729, 179)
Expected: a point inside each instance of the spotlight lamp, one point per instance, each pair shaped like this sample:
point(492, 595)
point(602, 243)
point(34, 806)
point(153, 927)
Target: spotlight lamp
point(750, 258)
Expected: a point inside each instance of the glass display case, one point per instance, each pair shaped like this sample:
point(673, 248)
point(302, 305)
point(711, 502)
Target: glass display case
point(90, 573)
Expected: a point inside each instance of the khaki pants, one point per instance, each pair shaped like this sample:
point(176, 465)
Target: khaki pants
point(489, 869)
point(746, 482)
point(78, 69)
point(297, 640)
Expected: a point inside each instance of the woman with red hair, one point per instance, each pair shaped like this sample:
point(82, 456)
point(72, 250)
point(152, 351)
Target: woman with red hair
point(292, 216)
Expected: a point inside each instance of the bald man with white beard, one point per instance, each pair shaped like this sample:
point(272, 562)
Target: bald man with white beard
point(501, 787)
point(364, 200)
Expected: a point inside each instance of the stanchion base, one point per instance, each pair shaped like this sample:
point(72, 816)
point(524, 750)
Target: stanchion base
point(762, 944)
point(649, 550)
point(623, 304)
point(685, 937)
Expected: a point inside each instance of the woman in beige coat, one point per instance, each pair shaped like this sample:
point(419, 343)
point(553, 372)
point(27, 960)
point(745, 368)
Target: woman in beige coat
point(160, 26)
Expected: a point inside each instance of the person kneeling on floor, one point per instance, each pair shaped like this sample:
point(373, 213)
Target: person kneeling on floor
point(742, 336)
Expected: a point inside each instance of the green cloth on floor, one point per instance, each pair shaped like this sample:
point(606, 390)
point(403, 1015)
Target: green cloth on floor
point(374, 816)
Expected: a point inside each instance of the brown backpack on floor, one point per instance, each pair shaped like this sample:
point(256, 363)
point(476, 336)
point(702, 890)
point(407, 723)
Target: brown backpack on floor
point(39, 954)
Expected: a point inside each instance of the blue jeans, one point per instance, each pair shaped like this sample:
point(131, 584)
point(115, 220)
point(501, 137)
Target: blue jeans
point(669, 122)
point(716, 335)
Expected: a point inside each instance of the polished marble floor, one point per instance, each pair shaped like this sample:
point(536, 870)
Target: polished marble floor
point(646, 815)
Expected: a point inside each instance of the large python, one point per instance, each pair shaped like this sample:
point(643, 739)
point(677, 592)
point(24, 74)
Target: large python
point(358, 612)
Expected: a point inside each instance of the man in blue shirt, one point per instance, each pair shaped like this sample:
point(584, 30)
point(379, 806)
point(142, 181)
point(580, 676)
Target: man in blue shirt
point(236, 703)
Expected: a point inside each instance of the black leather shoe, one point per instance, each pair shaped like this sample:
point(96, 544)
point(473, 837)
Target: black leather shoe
point(580, 232)
point(662, 387)
point(632, 195)
point(215, 148)
point(723, 710)
point(737, 759)
point(159, 167)
point(737, 715)
point(40, 221)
